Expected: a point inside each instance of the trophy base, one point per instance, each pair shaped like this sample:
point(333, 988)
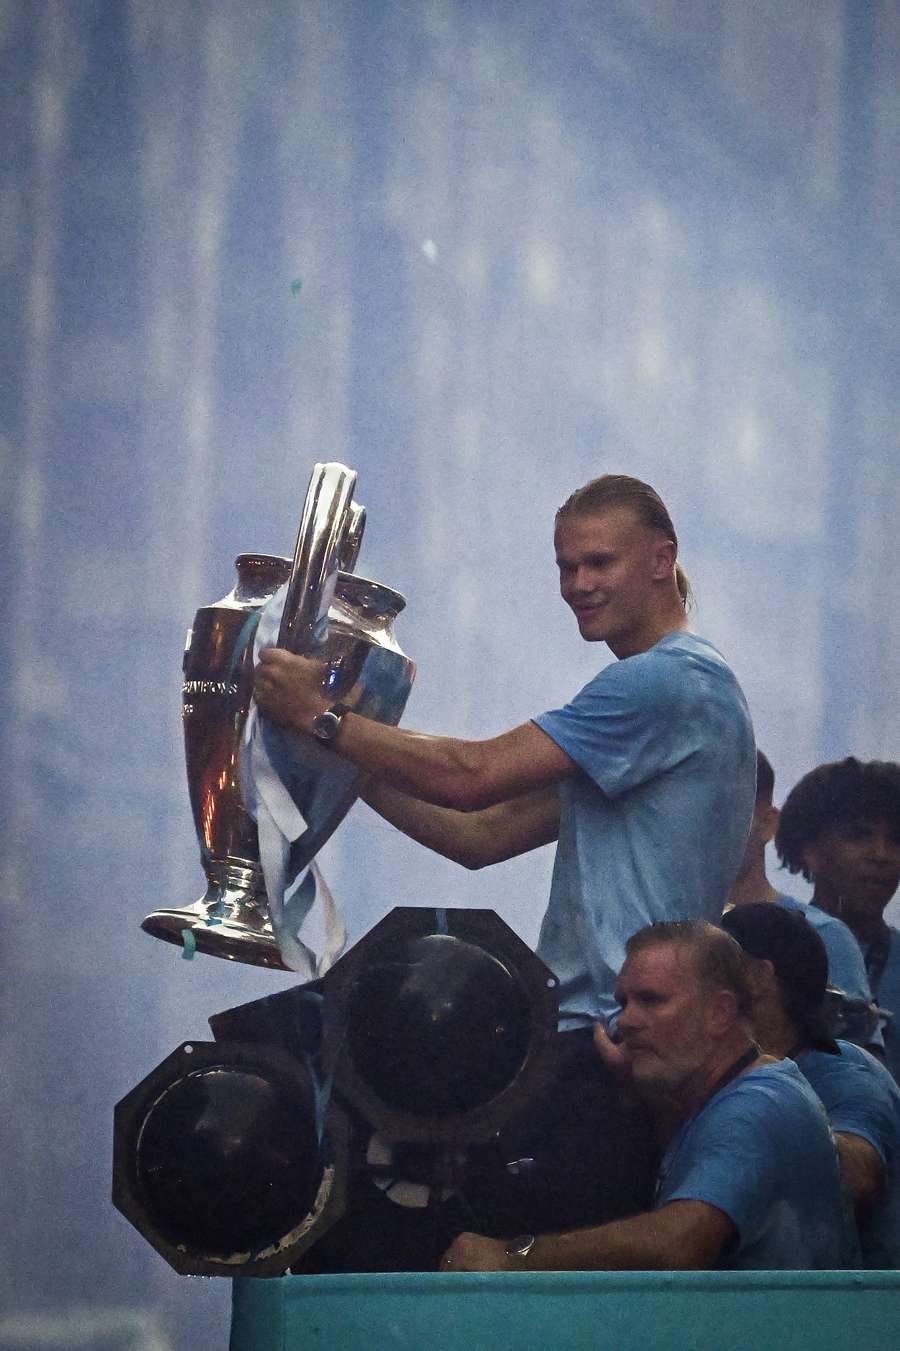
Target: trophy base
point(223, 923)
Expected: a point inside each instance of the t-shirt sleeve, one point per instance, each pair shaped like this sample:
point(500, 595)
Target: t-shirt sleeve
point(732, 1162)
point(846, 966)
point(858, 1104)
point(627, 725)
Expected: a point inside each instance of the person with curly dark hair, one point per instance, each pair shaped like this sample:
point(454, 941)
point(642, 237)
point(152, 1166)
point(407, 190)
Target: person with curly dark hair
point(847, 976)
point(846, 969)
point(840, 828)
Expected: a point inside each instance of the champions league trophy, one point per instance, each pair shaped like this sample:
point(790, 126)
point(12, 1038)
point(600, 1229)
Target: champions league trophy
point(346, 621)
point(268, 1148)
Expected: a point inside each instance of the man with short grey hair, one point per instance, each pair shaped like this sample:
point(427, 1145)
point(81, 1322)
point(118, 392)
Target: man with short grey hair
point(749, 1178)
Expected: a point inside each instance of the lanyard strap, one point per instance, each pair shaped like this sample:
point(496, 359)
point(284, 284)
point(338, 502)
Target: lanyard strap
point(746, 1058)
point(752, 1053)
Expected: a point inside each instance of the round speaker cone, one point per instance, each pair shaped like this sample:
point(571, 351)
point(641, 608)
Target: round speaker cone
point(437, 1026)
point(227, 1161)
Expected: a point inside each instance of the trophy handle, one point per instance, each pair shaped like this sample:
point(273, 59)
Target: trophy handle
point(328, 541)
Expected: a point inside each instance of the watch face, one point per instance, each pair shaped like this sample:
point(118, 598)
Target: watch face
point(325, 725)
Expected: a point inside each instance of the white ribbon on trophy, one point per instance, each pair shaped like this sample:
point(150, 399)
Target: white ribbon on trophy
point(267, 757)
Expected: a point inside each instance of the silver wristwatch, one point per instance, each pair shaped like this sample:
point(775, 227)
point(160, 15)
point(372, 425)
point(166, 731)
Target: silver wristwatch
point(325, 725)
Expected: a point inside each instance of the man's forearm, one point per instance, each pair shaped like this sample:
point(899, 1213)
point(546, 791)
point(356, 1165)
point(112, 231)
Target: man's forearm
point(464, 775)
point(862, 1168)
point(435, 769)
point(653, 1241)
point(472, 839)
point(682, 1236)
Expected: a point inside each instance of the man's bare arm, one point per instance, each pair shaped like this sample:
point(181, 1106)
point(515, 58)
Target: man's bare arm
point(681, 1236)
point(445, 771)
point(862, 1168)
point(473, 839)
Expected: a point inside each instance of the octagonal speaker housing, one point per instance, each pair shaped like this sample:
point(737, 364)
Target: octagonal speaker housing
point(439, 1024)
point(222, 1161)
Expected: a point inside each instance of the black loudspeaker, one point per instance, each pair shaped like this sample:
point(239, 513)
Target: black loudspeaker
point(439, 1024)
point(223, 1161)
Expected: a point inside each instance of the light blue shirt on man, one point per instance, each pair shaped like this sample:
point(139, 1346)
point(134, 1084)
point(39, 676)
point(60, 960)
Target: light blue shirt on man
point(887, 996)
point(760, 1150)
point(654, 827)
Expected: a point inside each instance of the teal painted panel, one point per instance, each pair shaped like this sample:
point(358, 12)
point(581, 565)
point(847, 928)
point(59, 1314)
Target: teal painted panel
point(571, 1311)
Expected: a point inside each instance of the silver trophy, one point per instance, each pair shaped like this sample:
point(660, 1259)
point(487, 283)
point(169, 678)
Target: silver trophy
point(346, 621)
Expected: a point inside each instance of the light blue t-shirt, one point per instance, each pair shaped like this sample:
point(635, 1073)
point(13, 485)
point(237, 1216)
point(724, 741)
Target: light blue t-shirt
point(654, 827)
point(887, 996)
point(760, 1150)
point(861, 1097)
point(846, 967)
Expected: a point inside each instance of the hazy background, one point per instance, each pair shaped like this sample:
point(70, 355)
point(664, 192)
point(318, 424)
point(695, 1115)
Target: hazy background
point(480, 251)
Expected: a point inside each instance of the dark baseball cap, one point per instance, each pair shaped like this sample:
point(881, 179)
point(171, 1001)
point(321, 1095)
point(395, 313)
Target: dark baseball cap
point(785, 938)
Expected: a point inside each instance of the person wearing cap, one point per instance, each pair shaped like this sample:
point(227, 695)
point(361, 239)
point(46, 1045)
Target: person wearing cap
point(840, 828)
point(787, 969)
point(750, 1177)
point(846, 969)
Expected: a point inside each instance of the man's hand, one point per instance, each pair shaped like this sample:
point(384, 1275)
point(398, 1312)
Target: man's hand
point(473, 1252)
point(612, 1053)
point(289, 689)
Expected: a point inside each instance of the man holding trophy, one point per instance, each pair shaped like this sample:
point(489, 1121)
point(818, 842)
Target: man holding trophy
point(646, 780)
